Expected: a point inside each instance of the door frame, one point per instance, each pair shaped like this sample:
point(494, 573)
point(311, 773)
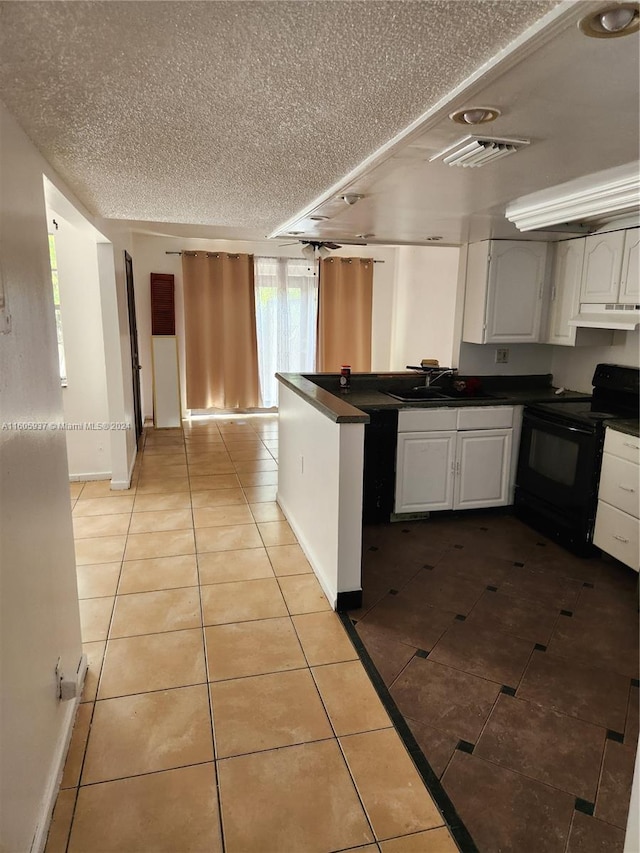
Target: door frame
point(135, 352)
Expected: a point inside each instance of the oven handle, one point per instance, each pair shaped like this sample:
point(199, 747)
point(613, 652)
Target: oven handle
point(535, 419)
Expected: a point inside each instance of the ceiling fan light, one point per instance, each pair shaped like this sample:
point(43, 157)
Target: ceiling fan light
point(323, 252)
point(308, 252)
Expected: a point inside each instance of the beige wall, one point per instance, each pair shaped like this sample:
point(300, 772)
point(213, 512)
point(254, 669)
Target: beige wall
point(39, 615)
point(573, 367)
point(424, 305)
point(85, 395)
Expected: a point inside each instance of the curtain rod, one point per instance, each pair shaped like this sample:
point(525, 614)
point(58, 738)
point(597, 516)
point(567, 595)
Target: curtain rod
point(375, 261)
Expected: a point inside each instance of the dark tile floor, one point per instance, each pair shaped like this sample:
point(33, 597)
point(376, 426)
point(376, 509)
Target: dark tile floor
point(515, 665)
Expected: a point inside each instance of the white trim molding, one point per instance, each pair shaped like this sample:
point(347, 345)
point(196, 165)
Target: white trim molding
point(57, 765)
point(604, 194)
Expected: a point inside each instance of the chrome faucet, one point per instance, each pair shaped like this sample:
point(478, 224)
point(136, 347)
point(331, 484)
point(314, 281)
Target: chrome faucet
point(429, 379)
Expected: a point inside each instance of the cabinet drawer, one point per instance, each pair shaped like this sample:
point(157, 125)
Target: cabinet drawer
point(426, 420)
point(618, 534)
point(623, 445)
point(487, 417)
point(619, 484)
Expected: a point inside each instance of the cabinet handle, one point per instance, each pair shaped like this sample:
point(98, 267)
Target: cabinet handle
point(458, 468)
point(541, 290)
point(553, 293)
point(628, 444)
point(619, 538)
point(626, 488)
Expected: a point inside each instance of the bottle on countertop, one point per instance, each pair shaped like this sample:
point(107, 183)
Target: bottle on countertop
point(345, 378)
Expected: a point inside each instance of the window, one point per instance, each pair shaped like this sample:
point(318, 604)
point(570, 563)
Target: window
point(56, 304)
point(286, 319)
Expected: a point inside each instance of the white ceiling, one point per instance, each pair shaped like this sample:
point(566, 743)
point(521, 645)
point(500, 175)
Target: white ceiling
point(237, 119)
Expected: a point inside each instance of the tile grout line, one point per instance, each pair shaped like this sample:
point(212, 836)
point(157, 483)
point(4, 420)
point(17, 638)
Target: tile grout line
point(433, 785)
point(206, 675)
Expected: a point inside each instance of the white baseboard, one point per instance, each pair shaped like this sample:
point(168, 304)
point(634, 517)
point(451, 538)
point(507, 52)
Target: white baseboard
point(95, 475)
point(57, 764)
point(332, 594)
point(121, 485)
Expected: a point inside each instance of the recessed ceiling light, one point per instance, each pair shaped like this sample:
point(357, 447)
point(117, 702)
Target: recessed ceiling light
point(351, 198)
point(318, 217)
point(365, 236)
point(612, 22)
point(433, 239)
point(294, 233)
point(475, 115)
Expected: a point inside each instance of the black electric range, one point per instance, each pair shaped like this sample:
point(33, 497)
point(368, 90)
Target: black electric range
point(561, 456)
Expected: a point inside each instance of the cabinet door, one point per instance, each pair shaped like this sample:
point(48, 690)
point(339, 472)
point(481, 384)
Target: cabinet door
point(564, 300)
point(630, 282)
point(602, 267)
point(483, 468)
point(424, 471)
point(516, 289)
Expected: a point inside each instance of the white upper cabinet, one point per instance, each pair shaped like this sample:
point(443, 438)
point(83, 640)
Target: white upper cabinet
point(564, 300)
point(505, 286)
point(602, 267)
point(630, 281)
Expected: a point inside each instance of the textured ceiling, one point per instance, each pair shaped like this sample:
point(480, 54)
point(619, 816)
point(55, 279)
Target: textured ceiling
point(233, 114)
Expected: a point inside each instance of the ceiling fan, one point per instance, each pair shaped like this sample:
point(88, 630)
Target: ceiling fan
point(310, 247)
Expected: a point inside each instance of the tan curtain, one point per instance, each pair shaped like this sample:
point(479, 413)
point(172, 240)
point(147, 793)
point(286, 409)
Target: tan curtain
point(344, 314)
point(220, 331)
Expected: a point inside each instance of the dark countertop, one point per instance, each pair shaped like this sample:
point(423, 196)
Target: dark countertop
point(363, 396)
point(630, 426)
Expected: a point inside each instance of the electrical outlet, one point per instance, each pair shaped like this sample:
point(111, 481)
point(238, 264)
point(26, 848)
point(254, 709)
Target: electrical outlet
point(502, 355)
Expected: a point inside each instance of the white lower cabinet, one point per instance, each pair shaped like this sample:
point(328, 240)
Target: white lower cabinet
point(482, 469)
point(424, 472)
point(464, 468)
point(617, 530)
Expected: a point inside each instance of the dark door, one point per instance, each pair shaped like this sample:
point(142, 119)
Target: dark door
point(133, 336)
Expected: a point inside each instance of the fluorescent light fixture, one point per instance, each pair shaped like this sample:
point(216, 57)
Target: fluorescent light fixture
point(477, 151)
point(604, 194)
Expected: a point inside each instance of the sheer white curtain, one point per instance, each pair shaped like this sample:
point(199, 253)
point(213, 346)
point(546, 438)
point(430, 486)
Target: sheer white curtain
point(286, 320)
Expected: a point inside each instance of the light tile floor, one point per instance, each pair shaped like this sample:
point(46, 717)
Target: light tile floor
point(225, 708)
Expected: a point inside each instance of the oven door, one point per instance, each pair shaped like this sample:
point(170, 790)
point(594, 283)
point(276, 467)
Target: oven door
point(558, 463)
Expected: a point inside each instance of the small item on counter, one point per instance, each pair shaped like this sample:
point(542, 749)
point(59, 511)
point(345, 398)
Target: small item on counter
point(345, 378)
point(474, 385)
point(429, 362)
point(559, 391)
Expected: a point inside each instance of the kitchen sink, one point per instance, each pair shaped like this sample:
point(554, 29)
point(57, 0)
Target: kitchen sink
point(412, 394)
point(416, 395)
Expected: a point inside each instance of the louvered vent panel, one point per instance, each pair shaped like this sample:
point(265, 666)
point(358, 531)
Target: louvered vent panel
point(163, 315)
point(474, 151)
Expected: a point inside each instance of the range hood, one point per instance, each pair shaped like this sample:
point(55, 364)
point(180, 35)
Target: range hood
point(611, 315)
